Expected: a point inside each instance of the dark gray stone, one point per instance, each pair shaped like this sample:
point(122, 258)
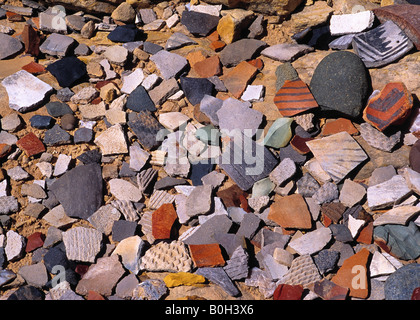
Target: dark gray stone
point(205, 232)
point(219, 276)
point(146, 128)
point(326, 260)
point(82, 50)
point(341, 232)
point(67, 70)
point(80, 190)
point(246, 172)
point(151, 48)
point(169, 182)
point(307, 186)
point(58, 109)
point(83, 135)
point(340, 83)
point(9, 46)
point(64, 95)
point(90, 156)
point(27, 292)
point(41, 122)
point(196, 88)
point(284, 72)
point(241, 50)
point(122, 229)
point(198, 23)
point(125, 33)
point(291, 153)
point(250, 225)
point(139, 100)
point(401, 284)
point(56, 136)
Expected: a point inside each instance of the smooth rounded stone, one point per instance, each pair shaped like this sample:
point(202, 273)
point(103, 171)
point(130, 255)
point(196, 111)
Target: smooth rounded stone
point(340, 83)
point(401, 284)
point(9, 46)
point(286, 51)
point(8, 204)
point(124, 190)
point(15, 245)
point(68, 122)
point(25, 91)
point(241, 50)
point(117, 55)
point(311, 242)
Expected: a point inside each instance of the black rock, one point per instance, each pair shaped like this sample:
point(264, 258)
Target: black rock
point(139, 100)
point(196, 88)
point(341, 83)
point(149, 131)
point(80, 190)
point(198, 23)
point(125, 33)
point(56, 136)
point(27, 292)
point(122, 229)
point(41, 122)
point(67, 70)
point(2, 257)
point(56, 256)
point(91, 156)
point(317, 37)
point(57, 109)
point(151, 48)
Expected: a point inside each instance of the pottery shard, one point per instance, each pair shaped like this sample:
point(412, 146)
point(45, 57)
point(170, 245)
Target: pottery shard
point(112, 141)
point(405, 16)
point(169, 257)
point(101, 277)
point(338, 154)
point(238, 78)
point(303, 271)
point(354, 271)
point(391, 106)
point(398, 215)
point(311, 242)
point(82, 244)
point(378, 139)
point(163, 220)
point(291, 212)
point(388, 193)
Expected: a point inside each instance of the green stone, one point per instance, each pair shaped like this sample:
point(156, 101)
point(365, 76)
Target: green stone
point(403, 241)
point(279, 134)
point(209, 135)
point(262, 187)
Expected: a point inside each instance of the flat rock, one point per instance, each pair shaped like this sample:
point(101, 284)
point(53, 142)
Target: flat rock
point(58, 218)
point(279, 133)
point(198, 23)
point(124, 33)
point(102, 276)
point(151, 289)
point(139, 100)
point(237, 79)
point(56, 136)
point(146, 127)
point(291, 212)
point(237, 117)
point(334, 85)
point(15, 245)
point(57, 45)
point(112, 141)
point(351, 23)
point(116, 54)
point(244, 173)
point(209, 105)
point(11, 122)
point(178, 40)
point(219, 277)
point(9, 46)
point(8, 204)
point(124, 190)
point(286, 52)
point(130, 249)
point(241, 50)
point(351, 193)
point(399, 215)
point(35, 274)
point(337, 164)
point(163, 91)
point(82, 244)
point(393, 45)
point(67, 70)
point(388, 193)
point(31, 144)
point(199, 201)
point(83, 201)
point(169, 64)
point(25, 91)
point(132, 81)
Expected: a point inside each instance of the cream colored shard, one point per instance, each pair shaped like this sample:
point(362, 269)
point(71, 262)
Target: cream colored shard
point(158, 158)
point(82, 244)
point(169, 257)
